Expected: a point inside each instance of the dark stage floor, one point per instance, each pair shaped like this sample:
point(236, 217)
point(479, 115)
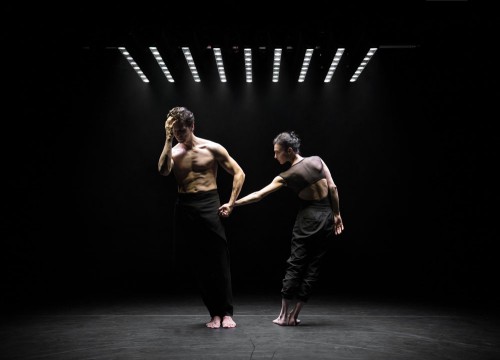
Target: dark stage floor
point(171, 327)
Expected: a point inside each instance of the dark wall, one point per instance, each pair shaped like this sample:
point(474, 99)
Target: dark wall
point(86, 211)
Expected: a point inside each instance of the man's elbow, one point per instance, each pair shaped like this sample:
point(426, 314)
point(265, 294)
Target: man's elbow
point(164, 170)
point(240, 175)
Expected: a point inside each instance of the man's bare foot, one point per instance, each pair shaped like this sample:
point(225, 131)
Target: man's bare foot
point(228, 322)
point(214, 323)
point(293, 322)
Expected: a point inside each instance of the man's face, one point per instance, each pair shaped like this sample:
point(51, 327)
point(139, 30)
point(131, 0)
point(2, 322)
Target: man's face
point(182, 133)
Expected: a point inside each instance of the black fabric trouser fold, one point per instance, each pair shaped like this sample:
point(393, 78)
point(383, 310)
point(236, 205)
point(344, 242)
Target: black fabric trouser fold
point(311, 234)
point(199, 232)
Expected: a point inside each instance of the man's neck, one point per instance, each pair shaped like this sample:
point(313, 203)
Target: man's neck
point(190, 143)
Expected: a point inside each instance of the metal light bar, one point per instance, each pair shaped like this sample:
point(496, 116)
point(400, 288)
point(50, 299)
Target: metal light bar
point(190, 62)
point(305, 64)
point(335, 63)
point(132, 62)
point(248, 64)
point(276, 64)
point(363, 64)
point(160, 62)
point(220, 64)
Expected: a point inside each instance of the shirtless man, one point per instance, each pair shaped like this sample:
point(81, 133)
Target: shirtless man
point(317, 221)
point(194, 162)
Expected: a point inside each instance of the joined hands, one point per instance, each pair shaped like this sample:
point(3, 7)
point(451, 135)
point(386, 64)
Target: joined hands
point(225, 210)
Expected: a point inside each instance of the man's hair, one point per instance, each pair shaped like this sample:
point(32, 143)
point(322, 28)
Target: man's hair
point(182, 115)
point(288, 139)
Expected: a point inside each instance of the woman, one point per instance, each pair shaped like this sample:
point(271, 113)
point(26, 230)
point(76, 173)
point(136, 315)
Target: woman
point(318, 219)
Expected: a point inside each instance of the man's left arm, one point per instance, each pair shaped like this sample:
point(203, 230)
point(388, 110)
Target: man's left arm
point(232, 167)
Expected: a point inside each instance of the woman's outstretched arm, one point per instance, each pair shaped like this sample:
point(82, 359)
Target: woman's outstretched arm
point(277, 183)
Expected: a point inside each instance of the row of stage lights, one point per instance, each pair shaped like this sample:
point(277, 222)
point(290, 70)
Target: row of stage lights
point(248, 64)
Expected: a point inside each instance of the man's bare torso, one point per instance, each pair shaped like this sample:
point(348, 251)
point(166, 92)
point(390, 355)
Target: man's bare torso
point(195, 168)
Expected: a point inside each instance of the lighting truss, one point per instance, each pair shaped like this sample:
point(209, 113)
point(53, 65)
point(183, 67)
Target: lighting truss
point(248, 64)
point(132, 62)
point(190, 62)
point(220, 64)
point(335, 63)
point(276, 64)
point(363, 64)
point(305, 64)
point(160, 62)
point(278, 52)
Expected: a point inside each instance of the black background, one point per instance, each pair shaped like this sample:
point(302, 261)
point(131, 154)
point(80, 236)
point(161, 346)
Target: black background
point(409, 145)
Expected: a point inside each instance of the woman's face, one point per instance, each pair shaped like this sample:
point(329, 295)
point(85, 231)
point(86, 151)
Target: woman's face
point(280, 154)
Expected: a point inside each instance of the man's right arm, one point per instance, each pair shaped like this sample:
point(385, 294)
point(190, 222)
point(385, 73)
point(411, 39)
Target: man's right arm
point(166, 163)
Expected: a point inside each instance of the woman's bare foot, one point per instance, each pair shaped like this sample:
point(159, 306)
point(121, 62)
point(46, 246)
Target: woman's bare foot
point(228, 322)
point(281, 320)
point(214, 323)
point(294, 314)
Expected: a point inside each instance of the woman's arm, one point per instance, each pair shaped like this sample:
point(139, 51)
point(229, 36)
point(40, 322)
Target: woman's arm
point(334, 201)
point(276, 184)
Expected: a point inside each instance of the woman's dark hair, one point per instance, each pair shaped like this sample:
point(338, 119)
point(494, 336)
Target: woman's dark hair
point(183, 115)
point(288, 139)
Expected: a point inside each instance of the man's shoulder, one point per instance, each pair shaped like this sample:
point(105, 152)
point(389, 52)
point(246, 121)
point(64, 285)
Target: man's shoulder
point(210, 144)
